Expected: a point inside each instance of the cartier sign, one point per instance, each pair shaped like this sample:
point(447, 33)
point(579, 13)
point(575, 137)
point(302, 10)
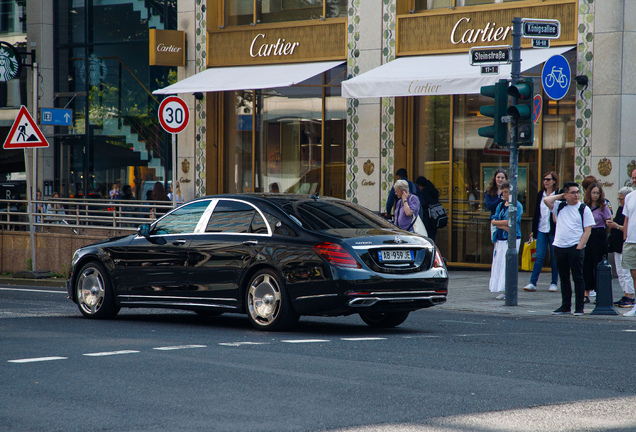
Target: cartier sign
point(440, 30)
point(167, 48)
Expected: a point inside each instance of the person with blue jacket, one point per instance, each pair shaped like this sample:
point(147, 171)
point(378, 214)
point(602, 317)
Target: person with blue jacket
point(500, 221)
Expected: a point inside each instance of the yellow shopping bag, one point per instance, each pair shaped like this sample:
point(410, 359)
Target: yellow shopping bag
point(529, 255)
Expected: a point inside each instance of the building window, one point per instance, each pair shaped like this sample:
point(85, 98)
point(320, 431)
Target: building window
point(440, 4)
point(244, 12)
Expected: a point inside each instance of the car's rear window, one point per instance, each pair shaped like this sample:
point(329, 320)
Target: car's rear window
point(324, 215)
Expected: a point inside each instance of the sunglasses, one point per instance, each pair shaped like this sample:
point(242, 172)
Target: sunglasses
point(548, 179)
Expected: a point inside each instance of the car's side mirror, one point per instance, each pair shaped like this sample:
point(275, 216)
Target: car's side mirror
point(144, 230)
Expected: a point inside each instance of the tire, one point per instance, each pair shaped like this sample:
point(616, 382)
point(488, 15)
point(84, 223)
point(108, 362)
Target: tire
point(268, 306)
point(94, 292)
point(384, 320)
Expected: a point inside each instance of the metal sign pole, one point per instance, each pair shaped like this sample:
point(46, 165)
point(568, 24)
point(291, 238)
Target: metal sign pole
point(29, 204)
point(512, 259)
point(174, 170)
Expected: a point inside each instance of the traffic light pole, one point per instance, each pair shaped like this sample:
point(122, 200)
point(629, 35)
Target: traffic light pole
point(512, 258)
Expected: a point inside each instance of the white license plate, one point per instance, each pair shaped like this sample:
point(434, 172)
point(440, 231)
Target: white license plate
point(395, 255)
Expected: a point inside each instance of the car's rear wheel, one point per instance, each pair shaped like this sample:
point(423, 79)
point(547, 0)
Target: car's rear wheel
point(268, 306)
point(384, 320)
point(94, 292)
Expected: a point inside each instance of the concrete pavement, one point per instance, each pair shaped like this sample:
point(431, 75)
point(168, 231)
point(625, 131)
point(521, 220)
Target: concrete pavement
point(467, 291)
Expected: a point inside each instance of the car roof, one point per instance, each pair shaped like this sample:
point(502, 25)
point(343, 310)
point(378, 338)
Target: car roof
point(277, 198)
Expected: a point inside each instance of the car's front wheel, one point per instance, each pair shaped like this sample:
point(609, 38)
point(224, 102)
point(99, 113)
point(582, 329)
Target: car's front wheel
point(94, 292)
point(268, 306)
point(384, 320)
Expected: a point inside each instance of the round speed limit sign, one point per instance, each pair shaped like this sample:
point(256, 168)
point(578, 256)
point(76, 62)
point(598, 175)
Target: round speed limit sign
point(173, 114)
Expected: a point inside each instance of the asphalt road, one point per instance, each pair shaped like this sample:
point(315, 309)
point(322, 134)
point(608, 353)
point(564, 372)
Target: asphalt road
point(442, 370)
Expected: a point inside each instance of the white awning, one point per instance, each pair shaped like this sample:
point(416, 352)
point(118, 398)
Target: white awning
point(248, 77)
point(435, 75)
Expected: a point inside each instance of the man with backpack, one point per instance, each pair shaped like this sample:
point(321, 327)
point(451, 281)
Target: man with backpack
point(434, 214)
point(574, 221)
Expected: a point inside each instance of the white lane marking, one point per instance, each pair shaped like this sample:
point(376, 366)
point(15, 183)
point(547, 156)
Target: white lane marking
point(465, 322)
point(235, 344)
point(101, 354)
point(39, 359)
point(33, 290)
point(420, 337)
point(629, 330)
point(363, 339)
point(305, 340)
point(178, 347)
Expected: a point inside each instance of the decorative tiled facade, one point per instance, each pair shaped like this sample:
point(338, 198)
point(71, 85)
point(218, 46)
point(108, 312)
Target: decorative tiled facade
point(201, 61)
point(353, 69)
point(585, 59)
point(388, 104)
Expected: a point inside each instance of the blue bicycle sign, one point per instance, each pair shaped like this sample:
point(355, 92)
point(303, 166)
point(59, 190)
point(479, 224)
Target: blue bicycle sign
point(556, 77)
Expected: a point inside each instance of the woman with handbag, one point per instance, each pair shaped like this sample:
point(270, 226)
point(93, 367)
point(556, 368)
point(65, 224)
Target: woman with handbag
point(543, 228)
point(500, 221)
point(597, 243)
point(428, 195)
point(406, 207)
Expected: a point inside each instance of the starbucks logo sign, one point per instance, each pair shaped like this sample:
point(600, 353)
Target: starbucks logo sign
point(10, 64)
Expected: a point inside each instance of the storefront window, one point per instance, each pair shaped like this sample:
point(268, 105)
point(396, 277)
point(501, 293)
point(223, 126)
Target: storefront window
point(241, 12)
point(438, 4)
point(237, 157)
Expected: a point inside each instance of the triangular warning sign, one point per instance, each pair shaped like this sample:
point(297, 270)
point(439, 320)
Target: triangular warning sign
point(25, 132)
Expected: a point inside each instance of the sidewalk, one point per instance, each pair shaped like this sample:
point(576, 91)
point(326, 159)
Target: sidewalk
point(467, 291)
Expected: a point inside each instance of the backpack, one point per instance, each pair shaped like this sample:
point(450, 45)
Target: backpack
point(582, 206)
point(434, 209)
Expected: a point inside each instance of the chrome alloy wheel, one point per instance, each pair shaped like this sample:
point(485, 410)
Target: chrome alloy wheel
point(91, 290)
point(264, 299)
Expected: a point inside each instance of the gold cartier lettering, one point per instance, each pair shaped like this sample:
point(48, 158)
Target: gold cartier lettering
point(415, 88)
point(489, 33)
point(280, 48)
point(366, 182)
point(168, 48)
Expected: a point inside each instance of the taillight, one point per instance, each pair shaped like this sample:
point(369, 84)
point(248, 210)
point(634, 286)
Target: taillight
point(439, 261)
point(336, 255)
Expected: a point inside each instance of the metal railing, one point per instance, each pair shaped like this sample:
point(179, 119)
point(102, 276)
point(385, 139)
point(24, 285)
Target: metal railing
point(78, 215)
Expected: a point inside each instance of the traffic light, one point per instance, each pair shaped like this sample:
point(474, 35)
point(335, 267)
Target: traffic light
point(499, 130)
point(522, 111)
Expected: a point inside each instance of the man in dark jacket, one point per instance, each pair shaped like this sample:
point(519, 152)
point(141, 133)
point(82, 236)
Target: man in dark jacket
point(413, 190)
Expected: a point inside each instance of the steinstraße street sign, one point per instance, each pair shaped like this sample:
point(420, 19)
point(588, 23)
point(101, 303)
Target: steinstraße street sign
point(173, 114)
point(556, 77)
point(540, 28)
point(56, 116)
point(489, 55)
point(25, 133)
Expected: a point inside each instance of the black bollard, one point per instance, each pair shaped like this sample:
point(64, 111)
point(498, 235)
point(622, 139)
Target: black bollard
point(604, 297)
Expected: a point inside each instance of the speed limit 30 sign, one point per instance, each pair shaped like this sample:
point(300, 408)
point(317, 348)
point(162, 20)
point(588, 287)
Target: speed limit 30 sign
point(173, 114)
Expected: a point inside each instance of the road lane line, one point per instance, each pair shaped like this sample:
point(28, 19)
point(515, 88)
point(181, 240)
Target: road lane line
point(178, 347)
point(363, 339)
point(39, 359)
point(235, 344)
point(101, 354)
point(305, 340)
point(629, 330)
point(33, 290)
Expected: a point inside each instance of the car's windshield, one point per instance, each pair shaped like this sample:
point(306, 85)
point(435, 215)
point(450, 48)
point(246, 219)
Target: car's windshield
point(324, 215)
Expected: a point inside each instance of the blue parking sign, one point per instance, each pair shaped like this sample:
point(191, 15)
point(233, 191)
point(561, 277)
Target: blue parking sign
point(56, 117)
point(556, 77)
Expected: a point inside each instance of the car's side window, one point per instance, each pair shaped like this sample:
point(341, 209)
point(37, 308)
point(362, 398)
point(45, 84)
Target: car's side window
point(230, 217)
point(258, 224)
point(181, 221)
point(278, 227)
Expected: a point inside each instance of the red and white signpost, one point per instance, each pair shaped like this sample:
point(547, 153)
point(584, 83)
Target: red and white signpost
point(174, 117)
point(26, 134)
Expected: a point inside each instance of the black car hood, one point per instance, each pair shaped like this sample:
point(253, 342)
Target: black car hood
point(114, 241)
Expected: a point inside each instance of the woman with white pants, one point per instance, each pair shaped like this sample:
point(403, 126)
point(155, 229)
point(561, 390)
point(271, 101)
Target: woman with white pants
point(500, 220)
point(615, 245)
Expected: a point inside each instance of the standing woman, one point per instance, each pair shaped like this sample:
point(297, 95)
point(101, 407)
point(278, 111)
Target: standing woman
point(407, 205)
point(159, 194)
point(597, 244)
point(543, 227)
point(500, 221)
point(615, 244)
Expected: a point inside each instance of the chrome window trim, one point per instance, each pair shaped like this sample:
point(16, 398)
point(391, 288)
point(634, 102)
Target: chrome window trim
point(205, 219)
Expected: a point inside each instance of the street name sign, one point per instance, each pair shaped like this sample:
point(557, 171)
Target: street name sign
point(56, 116)
point(540, 28)
point(25, 133)
point(490, 55)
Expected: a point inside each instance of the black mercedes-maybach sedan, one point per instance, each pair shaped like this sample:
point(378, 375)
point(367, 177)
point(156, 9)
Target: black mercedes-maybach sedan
point(273, 257)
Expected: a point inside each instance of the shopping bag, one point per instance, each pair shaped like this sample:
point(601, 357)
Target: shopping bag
point(529, 255)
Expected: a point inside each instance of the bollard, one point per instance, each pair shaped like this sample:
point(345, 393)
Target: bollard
point(604, 297)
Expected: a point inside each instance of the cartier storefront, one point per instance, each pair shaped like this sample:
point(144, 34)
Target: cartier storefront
point(436, 95)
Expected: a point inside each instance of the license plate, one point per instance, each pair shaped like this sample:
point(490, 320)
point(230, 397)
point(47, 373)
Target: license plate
point(395, 255)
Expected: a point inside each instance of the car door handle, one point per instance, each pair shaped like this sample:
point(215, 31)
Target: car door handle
point(179, 242)
point(250, 242)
